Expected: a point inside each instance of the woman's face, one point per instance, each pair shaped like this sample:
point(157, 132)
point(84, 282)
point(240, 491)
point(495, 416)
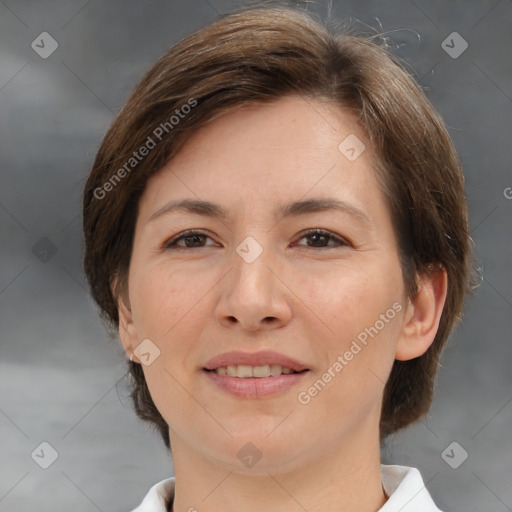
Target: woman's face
point(255, 281)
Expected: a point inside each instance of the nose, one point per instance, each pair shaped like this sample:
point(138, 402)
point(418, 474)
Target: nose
point(253, 297)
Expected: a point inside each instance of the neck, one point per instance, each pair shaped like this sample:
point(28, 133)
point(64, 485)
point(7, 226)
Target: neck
point(343, 480)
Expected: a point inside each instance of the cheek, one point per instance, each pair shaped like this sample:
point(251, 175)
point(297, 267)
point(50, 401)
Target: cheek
point(161, 297)
point(350, 297)
point(357, 309)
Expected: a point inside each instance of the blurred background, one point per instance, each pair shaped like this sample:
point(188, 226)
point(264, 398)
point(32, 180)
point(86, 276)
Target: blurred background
point(66, 68)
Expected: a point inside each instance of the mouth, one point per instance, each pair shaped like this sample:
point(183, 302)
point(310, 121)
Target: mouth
point(255, 375)
point(243, 371)
point(250, 387)
point(261, 364)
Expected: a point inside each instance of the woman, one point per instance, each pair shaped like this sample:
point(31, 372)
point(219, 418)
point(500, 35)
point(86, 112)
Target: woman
point(276, 225)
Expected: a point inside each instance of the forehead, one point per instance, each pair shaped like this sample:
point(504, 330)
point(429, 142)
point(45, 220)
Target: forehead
point(292, 127)
point(271, 152)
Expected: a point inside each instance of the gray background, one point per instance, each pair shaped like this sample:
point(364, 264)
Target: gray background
point(61, 377)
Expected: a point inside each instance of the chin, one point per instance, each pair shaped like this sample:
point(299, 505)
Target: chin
point(257, 452)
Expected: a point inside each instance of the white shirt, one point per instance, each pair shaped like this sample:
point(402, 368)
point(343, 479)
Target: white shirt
point(403, 485)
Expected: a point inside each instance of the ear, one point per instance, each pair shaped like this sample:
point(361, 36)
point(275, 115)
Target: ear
point(127, 329)
point(422, 316)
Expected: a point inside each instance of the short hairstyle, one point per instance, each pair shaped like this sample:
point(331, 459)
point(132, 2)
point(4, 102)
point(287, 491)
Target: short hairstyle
point(259, 54)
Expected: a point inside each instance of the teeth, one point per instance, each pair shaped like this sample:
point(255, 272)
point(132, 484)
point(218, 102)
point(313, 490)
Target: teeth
point(244, 371)
point(275, 369)
point(261, 371)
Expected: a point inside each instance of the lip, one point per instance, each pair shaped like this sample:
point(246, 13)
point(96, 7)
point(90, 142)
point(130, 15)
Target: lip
point(254, 359)
point(253, 387)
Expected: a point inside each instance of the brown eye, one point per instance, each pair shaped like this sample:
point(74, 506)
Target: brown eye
point(320, 239)
point(192, 240)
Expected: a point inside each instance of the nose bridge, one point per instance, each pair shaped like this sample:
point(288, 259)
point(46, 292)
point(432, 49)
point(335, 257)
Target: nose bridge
point(252, 293)
point(251, 273)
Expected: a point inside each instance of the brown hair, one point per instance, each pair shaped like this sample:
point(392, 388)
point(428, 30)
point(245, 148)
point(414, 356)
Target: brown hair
point(260, 54)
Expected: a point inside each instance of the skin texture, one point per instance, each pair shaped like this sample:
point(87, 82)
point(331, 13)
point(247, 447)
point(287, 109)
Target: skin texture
point(305, 297)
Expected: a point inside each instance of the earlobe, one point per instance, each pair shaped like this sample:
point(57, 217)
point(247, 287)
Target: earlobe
point(127, 328)
point(423, 316)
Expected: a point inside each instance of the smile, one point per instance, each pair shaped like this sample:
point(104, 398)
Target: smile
point(243, 371)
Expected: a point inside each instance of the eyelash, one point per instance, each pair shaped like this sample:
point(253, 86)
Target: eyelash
point(171, 244)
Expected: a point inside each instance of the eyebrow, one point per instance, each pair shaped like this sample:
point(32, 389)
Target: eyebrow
point(292, 209)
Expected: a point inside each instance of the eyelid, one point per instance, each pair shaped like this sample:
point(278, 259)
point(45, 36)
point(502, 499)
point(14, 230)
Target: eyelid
point(183, 234)
point(340, 241)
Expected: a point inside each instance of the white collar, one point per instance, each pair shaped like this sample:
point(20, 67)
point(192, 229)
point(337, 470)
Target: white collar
point(406, 490)
point(403, 485)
